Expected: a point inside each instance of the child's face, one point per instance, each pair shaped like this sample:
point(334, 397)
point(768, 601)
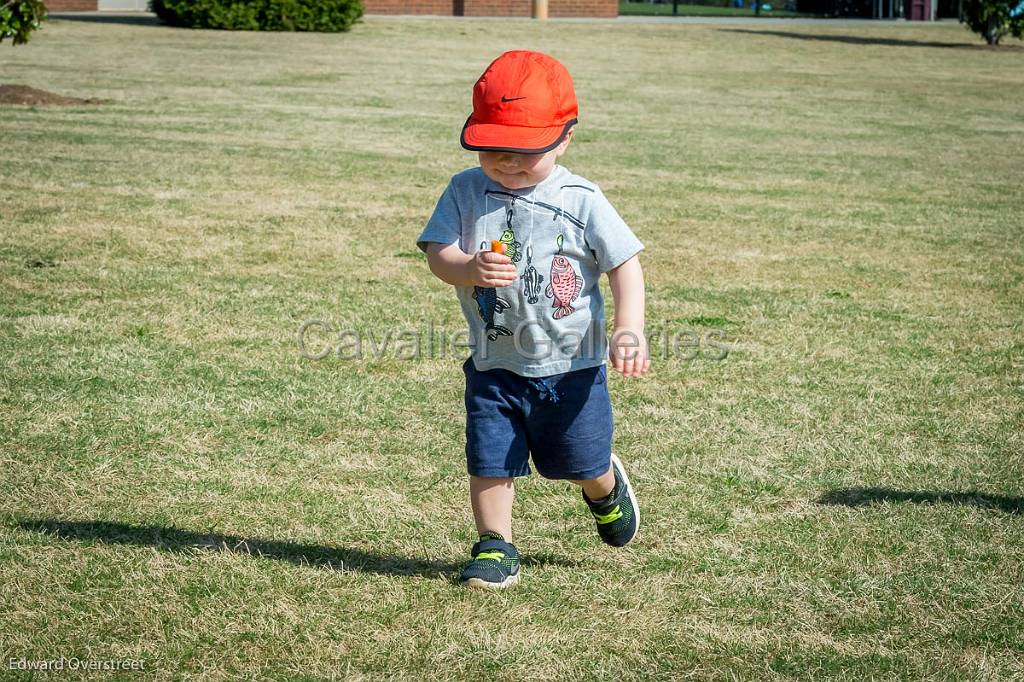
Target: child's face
point(519, 171)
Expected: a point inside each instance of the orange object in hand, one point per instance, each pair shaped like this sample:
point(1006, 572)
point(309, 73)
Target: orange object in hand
point(497, 246)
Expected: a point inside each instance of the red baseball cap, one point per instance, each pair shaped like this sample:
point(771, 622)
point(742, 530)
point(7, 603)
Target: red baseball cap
point(524, 102)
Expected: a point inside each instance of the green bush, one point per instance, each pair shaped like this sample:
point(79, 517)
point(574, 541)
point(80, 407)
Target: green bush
point(260, 15)
point(18, 18)
point(993, 19)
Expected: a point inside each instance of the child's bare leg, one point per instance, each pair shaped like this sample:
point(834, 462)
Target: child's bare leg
point(600, 487)
point(492, 504)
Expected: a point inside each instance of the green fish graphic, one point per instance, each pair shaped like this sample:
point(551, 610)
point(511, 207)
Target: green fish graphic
point(513, 249)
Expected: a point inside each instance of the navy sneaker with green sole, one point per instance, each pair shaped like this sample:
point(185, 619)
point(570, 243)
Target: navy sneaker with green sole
point(618, 515)
point(495, 564)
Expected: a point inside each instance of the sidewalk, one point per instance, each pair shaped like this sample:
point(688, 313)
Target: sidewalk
point(148, 18)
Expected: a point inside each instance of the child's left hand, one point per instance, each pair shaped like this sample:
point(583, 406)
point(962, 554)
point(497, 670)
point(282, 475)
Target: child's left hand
point(628, 353)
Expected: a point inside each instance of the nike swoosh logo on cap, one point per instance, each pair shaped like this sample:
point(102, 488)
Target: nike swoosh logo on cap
point(510, 99)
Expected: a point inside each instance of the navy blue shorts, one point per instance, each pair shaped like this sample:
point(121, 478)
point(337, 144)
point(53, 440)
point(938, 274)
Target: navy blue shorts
point(564, 421)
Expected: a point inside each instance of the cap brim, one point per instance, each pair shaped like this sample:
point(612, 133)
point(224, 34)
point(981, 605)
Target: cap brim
point(491, 137)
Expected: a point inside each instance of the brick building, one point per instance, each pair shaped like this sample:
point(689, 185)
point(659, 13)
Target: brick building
point(468, 8)
point(70, 5)
point(493, 8)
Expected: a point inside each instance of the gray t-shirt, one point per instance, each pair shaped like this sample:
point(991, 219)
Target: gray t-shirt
point(561, 234)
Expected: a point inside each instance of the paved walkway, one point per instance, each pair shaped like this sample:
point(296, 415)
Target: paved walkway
point(149, 18)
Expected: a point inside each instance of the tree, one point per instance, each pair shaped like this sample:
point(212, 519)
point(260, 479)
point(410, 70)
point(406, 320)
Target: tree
point(18, 18)
point(993, 19)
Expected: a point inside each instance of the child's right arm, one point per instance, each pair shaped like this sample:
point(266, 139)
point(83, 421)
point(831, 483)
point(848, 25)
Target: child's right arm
point(451, 264)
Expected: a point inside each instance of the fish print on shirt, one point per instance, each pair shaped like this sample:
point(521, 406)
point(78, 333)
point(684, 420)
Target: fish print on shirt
point(564, 288)
point(513, 249)
point(531, 278)
point(565, 283)
point(488, 304)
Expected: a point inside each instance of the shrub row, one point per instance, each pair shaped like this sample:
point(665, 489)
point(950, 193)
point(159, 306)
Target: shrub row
point(328, 16)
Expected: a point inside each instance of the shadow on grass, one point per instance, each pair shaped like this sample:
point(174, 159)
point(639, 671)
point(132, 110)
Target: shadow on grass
point(871, 40)
point(863, 497)
point(181, 541)
point(139, 19)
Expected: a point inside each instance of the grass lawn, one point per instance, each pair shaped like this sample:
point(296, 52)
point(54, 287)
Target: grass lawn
point(839, 497)
point(687, 10)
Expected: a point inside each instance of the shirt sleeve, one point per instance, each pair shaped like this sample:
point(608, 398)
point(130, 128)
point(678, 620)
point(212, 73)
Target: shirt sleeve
point(608, 235)
point(445, 225)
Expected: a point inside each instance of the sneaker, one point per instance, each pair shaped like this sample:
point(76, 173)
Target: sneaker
point(495, 564)
point(618, 515)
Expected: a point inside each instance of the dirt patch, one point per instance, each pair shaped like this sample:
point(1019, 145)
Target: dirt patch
point(22, 94)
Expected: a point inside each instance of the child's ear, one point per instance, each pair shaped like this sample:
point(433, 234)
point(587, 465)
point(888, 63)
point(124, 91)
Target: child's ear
point(565, 141)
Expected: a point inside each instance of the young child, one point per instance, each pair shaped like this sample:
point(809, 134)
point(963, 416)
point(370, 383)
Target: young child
point(536, 379)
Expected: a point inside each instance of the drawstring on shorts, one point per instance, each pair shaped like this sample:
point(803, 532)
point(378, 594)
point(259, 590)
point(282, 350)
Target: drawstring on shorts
point(546, 390)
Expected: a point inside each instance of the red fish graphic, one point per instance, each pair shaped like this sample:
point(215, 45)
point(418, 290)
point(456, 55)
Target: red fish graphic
point(565, 287)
